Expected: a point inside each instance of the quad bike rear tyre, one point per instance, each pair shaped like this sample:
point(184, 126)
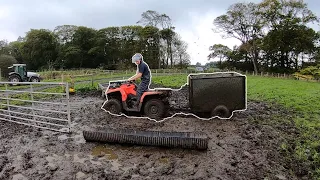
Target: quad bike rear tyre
point(114, 106)
point(154, 109)
point(221, 111)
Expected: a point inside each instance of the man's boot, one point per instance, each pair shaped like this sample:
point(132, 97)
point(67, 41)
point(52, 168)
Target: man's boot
point(136, 104)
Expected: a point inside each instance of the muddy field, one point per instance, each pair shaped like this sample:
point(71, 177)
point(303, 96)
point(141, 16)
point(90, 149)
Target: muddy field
point(237, 149)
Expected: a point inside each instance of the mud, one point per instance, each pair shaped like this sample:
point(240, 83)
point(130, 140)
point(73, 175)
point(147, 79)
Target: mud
point(239, 148)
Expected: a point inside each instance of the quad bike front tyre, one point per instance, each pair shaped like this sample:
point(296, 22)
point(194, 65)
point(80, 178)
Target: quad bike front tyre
point(154, 109)
point(113, 106)
point(221, 111)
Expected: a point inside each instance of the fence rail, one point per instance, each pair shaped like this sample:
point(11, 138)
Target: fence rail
point(31, 106)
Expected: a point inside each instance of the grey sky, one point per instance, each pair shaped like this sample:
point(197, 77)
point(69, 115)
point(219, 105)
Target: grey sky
point(193, 18)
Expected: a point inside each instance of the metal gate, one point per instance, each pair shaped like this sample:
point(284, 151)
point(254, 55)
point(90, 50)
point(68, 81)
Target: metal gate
point(39, 104)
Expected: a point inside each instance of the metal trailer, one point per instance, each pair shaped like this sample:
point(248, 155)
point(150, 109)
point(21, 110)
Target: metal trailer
point(217, 94)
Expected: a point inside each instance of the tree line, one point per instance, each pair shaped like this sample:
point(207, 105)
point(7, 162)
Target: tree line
point(274, 36)
point(71, 46)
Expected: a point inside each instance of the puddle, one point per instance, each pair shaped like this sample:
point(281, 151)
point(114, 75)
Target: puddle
point(164, 160)
point(104, 151)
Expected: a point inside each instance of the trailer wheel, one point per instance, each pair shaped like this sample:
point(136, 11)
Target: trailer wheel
point(114, 106)
point(154, 108)
point(221, 111)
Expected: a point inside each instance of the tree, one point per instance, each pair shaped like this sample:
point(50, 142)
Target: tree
point(288, 37)
point(220, 51)
point(153, 18)
point(40, 49)
point(71, 46)
point(243, 22)
point(65, 33)
point(164, 22)
point(5, 62)
point(4, 47)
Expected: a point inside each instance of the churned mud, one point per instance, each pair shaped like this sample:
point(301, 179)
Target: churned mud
point(238, 148)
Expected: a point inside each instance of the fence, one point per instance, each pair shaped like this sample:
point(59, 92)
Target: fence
point(95, 75)
point(36, 105)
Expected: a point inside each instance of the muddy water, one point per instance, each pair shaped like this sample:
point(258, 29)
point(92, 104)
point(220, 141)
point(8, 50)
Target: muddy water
point(237, 149)
point(104, 151)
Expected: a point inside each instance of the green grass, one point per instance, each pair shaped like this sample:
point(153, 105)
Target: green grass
point(300, 97)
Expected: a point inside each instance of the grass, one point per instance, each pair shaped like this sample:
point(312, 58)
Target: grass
point(300, 97)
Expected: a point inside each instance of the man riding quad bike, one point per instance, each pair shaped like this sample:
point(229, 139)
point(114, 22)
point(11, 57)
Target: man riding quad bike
point(143, 72)
point(125, 95)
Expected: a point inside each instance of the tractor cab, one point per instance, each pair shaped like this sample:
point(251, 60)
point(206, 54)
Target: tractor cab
point(19, 69)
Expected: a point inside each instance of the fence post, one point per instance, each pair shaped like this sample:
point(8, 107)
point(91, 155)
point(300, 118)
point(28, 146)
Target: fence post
point(32, 99)
point(8, 104)
point(68, 106)
point(92, 80)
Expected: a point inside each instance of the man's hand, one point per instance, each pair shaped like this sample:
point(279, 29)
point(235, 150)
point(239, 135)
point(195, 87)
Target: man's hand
point(133, 78)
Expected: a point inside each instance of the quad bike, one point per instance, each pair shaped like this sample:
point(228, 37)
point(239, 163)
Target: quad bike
point(121, 97)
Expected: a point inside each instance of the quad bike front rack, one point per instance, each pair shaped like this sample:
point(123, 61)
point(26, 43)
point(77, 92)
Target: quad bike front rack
point(185, 140)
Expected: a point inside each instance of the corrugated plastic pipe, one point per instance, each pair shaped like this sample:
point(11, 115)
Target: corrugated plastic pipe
point(186, 140)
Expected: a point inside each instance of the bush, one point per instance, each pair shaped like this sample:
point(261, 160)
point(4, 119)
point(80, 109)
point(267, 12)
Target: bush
point(311, 70)
point(5, 62)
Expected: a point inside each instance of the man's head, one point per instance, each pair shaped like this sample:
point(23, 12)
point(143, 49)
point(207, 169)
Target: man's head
point(137, 58)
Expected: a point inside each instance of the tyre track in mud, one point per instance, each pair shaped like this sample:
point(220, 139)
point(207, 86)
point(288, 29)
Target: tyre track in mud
point(238, 149)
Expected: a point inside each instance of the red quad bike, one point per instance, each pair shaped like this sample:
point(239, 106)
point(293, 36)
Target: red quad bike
point(121, 97)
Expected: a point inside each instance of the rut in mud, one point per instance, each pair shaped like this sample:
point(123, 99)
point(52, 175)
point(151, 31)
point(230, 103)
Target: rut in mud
point(237, 149)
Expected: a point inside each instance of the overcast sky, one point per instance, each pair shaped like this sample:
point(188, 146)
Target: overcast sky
point(192, 18)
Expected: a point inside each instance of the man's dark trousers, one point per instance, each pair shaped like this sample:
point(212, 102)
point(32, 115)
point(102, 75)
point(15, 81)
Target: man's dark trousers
point(143, 87)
